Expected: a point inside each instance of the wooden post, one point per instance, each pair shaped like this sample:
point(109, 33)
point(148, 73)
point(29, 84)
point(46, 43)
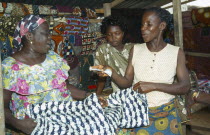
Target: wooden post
point(107, 9)
point(2, 121)
point(178, 31)
point(116, 2)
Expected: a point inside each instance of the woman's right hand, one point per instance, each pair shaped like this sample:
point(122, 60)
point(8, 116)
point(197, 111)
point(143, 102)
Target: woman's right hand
point(27, 125)
point(102, 68)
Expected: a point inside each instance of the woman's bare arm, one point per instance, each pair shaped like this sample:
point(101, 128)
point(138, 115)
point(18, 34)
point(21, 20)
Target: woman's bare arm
point(126, 80)
point(26, 125)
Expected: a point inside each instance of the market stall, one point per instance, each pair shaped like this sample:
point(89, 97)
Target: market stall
point(75, 31)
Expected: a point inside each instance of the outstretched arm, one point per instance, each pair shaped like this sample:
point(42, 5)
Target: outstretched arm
point(77, 93)
point(126, 80)
point(181, 87)
point(122, 81)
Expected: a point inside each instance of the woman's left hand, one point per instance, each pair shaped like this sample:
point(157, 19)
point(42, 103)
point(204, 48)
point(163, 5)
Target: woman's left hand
point(143, 87)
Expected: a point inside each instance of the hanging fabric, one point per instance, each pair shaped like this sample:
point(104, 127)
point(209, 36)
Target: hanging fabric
point(6, 48)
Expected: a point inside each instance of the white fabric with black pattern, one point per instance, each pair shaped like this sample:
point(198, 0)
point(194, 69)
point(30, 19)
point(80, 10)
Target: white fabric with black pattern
point(87, 117)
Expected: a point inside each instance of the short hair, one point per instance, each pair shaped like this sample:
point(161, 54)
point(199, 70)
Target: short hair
point(113, 21)
point(164, 16)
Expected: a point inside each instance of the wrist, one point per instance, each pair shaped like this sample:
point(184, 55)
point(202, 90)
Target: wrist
point(86, 94)
point(98, 92)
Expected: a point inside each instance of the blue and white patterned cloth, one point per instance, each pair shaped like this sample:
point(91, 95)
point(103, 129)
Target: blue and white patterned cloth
point(126, 109)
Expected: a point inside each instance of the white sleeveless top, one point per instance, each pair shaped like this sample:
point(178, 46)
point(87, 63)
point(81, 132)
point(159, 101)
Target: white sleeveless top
point(157, 67)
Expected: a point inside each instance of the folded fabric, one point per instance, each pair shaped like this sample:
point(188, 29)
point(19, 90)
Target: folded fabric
point(76, 25)
point(204, 85)
point(87, 117)
point(134, 108)
point(64, 9)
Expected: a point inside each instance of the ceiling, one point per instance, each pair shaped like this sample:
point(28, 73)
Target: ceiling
point(95, 3)
point(72, 3)
point(141, 3)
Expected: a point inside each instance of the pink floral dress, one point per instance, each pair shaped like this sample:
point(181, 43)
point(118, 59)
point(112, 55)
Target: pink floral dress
point(35, 84)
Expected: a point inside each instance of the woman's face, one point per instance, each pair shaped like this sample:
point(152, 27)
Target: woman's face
point(150, 28)
point(114, 35)
point(41, 39)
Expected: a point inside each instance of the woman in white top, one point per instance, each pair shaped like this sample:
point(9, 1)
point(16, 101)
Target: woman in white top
point(151, 69)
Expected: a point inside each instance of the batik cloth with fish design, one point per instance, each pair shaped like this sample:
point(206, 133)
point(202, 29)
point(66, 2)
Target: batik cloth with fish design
point(126, 109)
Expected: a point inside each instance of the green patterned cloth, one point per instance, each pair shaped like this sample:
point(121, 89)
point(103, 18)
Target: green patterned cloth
point(118, 60)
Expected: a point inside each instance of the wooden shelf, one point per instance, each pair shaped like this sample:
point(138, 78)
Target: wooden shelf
point(100, 11)
point(200, 121)
point(198, 54)
point(95, 20)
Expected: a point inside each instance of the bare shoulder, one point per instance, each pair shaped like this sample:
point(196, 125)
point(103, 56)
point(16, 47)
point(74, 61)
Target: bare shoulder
point(181, 54)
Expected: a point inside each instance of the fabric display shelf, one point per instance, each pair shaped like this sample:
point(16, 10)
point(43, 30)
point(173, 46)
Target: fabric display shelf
point(204, 85)
point(200, 17)
point(6, 46)
point(196, 35)
point(197, 39)
point(200, 65)
point(72, 34)
point(20, 9)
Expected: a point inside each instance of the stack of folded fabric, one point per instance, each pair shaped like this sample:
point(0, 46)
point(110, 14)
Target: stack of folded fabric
point(8, 10)
point(1, 8)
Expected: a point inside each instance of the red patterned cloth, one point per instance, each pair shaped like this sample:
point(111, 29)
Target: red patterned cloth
point(76, 25)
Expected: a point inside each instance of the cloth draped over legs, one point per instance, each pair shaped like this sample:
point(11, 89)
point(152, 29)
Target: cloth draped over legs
point(164, 120)
point(126, 109)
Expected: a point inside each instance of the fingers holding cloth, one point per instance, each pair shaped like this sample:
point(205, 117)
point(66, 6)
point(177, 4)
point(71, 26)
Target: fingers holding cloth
point(143, 87)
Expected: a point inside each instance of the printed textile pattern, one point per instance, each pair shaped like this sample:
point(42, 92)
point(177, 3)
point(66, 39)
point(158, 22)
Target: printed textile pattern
point(76, 25)
point(164, 120)
point(85, 74)
point(8, 25)
point(88, 44)
point(64, 9)
point(118, 60)
point(204, 85)
point(27, 24)
point(35, 9)
point(35, 84)
point(6, 48)
point(87, 117)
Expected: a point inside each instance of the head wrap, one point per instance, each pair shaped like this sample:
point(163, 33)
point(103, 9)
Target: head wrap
point(27, 24)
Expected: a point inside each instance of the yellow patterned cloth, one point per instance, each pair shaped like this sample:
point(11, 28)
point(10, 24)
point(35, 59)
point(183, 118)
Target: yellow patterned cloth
point(35, 84)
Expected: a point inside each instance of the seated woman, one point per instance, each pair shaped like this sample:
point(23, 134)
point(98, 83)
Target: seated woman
point(33, 74)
